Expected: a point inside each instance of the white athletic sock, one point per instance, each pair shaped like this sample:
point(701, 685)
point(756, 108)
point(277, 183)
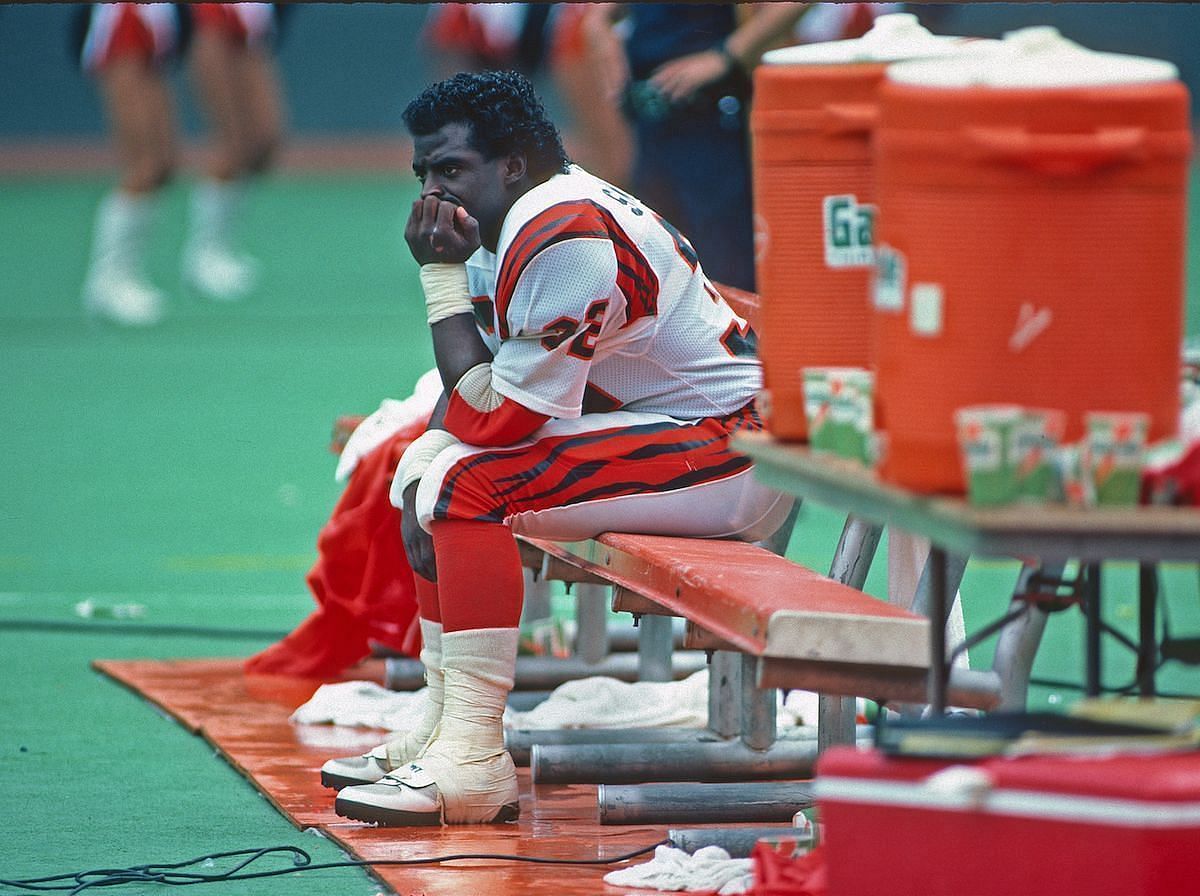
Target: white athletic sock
point(215, 207)
point(120, 235)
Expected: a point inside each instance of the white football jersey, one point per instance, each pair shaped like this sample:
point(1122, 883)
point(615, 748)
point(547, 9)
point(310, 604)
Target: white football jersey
point(593, 302)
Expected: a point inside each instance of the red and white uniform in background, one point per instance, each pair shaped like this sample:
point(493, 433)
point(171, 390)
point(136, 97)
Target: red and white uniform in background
point(491, 33)
point(249, 24)
point(606, 332)
point(149, 31)
point(487, 31)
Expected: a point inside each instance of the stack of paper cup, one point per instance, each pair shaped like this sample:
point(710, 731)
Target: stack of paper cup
point(839, 407)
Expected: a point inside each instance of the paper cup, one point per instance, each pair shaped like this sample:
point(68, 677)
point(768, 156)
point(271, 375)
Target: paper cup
point(1114, 448)
point(839, 407)
point(1034, 441)
point(985, 436)
point(1074, 485)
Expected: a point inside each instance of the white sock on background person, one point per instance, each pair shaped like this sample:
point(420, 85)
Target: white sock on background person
point(116, 287)
point(210, 262)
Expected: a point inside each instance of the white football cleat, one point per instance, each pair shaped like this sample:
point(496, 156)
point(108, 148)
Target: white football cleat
point(437, 789)
point(350, 771)
point(464, 775)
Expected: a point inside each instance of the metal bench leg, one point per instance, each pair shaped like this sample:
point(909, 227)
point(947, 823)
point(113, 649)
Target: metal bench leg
point(656, 641)
point(724, 693)
point(664, 803)
point(591, 621)
point(759, 708)
point(851, 562)
point(537, 597)
point(909, 553)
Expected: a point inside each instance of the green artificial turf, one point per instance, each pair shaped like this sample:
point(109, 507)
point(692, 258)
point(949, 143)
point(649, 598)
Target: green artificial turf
point(183, 471)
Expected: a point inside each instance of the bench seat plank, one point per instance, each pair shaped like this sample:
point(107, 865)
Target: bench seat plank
point(756, 601)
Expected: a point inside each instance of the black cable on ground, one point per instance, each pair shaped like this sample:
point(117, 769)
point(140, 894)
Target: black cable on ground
point(172, 874)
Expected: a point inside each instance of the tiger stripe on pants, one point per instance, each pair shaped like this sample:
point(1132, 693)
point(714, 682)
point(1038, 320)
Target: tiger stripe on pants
point(619, 471)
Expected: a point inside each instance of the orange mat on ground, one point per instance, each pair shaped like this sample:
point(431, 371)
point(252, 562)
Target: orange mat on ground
point(245, 717)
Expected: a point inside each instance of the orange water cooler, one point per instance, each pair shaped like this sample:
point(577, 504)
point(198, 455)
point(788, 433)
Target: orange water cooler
point(1031, 243)
point(815, 108)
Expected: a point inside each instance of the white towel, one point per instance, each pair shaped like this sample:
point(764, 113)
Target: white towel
point(708, 868)
point(363, 704)
point(595, 702)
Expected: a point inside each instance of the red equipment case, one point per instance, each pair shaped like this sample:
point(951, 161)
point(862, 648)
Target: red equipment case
point(1118, 825)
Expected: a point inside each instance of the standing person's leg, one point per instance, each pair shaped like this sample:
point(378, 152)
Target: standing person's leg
point(235, 80)
point(141, 116)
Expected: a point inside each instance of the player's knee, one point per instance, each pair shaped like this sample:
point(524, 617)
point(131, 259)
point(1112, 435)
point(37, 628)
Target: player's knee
point(151, 173)
point(261, 154)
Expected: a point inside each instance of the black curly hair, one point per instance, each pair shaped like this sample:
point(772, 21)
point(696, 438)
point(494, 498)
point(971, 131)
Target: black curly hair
point(504, 113)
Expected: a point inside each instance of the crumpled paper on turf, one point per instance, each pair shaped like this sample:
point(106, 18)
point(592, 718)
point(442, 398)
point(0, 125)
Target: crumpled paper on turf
point(708, 869)
point(595, 702)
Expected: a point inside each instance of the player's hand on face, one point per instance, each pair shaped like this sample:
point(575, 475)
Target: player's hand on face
point(439, 230)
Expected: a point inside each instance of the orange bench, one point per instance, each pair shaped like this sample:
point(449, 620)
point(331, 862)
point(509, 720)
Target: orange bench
point(807, 630)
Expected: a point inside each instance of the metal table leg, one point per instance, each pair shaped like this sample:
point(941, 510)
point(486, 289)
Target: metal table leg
point(1018, 642)
point(1147, 660)
point(939, 673)
point(1092, 636)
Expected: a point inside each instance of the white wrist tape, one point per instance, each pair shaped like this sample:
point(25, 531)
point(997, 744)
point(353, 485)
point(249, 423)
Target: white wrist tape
point(446, 290)
point(416, 460)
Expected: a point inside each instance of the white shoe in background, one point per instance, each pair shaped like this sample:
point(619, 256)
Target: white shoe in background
point(219, 274)
point(124, 300)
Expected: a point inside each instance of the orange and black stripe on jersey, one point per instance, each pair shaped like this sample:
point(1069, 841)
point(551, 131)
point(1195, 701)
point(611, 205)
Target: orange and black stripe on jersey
point(578, 219)
point(561, 471)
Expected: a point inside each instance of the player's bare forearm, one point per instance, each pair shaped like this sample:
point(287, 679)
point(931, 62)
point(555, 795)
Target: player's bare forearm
point(765, 25)
point(457, 347)
point(438, 417)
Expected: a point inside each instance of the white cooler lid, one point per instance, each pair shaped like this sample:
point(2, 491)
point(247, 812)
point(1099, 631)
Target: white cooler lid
point(893, 37)
point(1037, 57)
